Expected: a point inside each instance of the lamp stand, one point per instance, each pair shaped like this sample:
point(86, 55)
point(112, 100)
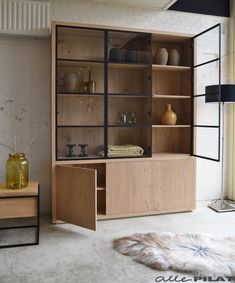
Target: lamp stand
point(222, 205)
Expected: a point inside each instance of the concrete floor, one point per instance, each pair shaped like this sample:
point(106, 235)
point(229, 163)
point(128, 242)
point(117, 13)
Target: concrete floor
point(74, 255)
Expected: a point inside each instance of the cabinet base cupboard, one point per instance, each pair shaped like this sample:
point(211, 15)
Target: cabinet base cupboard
point(87, 192)
point(111, 155)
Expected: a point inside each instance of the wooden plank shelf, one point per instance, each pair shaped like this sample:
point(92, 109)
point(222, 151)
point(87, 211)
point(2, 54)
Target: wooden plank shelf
point(79, 63)
point(127, 65)
point(172, 96)
point(116, 95)
point(171, 126)
point(80, 94)
point(169, 68)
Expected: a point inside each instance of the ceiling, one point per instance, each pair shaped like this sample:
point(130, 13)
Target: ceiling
point(153, 4)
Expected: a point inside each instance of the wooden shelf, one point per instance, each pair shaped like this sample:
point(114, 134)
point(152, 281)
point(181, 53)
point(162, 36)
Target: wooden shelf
point(171, 126)
point(170, 155)
point(171, 96)
point(129, 126)
point(80, 126)
point(80, 94)
point(81, 63)
point(115, 95)
point(127, 66)
point(168, 68)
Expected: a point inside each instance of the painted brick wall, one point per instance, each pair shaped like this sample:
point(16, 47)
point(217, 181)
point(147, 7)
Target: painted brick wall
point(25, 78)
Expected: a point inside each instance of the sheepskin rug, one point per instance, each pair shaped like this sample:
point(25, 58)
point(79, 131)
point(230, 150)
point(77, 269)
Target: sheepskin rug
point(197, 253)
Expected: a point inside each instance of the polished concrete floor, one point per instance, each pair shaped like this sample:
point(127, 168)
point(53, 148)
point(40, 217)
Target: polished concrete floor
point(69, 254)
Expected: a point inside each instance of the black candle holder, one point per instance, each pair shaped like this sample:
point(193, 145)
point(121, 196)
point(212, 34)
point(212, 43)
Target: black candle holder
point(83, 150)
point(70, 147)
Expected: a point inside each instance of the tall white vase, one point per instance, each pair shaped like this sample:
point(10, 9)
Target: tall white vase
point(174, 57)
point(161, 56)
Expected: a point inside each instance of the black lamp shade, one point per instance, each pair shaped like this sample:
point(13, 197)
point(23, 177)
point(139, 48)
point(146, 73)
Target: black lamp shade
point(227, 93)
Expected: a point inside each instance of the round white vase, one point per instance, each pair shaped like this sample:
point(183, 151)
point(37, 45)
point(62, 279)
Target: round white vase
point(161, 56)
point(70, 82)
point(174, 57)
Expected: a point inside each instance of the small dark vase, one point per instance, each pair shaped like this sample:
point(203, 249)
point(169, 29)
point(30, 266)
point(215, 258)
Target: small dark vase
point(116, 55)
point(131, 56)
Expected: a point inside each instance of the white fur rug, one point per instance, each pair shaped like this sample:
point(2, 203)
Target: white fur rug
point(198, 253)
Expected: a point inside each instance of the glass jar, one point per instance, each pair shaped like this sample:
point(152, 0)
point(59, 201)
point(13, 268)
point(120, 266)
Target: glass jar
point(17, 171)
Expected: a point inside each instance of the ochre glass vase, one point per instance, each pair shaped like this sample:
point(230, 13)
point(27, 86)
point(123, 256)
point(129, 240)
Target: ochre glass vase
point(17, 171)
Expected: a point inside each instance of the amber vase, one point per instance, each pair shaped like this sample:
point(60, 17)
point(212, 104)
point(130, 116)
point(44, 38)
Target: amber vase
point(169, 117)
point(17, 171)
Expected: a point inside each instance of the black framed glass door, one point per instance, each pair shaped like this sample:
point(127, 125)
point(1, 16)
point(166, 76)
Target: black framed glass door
point(206, 68)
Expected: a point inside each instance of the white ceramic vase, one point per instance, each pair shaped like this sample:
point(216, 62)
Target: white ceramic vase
point(174, 57)
point(70, 82)
point(161, 56)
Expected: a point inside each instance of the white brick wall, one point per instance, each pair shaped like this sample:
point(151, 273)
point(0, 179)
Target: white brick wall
point(25, 77)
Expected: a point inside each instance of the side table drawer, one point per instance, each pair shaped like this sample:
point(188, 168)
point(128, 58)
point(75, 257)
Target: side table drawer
point(18, 207)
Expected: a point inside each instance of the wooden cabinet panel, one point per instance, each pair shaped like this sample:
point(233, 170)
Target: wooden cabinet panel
point(76, 197)
point(128, 187)
point(138, 187)
point(173, 185)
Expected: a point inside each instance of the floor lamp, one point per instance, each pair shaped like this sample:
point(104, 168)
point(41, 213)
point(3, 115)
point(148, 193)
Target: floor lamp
point(227, 96)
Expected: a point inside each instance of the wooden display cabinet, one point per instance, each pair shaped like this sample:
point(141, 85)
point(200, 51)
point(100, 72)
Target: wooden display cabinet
point(97, 186)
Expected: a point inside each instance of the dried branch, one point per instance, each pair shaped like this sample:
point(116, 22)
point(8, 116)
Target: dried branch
point(37, 134)
point(2, 144)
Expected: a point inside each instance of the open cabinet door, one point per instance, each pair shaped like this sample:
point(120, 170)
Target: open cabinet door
point(206, 67)
point(76, 197)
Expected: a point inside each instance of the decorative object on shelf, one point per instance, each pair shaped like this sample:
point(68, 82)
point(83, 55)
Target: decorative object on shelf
point(131, 56)
point(70, 147)
point(91, 85)
point(169, 117)
point(131, 118)
point(70, 82)
point(17, 171)
point(121, 118)
point(125, 150)
point(83, 88)
point(226, 92)
point(116, 55)
point(161, 56)
point(17, 165)
point(83, 150)
point(174, 57)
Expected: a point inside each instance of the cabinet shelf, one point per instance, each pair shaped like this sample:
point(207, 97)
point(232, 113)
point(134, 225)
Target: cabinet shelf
point(172, 96)
point(129, 95)
point(171, 126)
point(129, 126)
point(78, 94)
point(170, 155)
point(80, 126)
point(169, 68)
point(75, 62)
point(127, 65)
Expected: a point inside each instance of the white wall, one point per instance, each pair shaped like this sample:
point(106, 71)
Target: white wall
point(25, 77)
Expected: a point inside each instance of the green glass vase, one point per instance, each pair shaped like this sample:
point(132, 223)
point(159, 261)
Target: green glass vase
point(17, 171)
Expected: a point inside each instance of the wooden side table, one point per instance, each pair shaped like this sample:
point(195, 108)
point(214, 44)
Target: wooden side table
point(20, 204)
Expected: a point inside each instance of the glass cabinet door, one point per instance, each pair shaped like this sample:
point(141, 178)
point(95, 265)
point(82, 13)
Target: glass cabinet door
point(80, 108)
point(129, 94)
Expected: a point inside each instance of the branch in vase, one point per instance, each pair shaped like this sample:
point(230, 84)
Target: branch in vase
point(37, 134)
